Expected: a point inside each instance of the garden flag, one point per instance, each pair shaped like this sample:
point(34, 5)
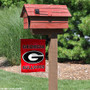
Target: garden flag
point(32, 55)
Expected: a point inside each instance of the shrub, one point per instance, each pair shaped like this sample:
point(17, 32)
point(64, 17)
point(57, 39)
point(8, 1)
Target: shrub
point(85, 28)
point(85, 25)
point(70, 47)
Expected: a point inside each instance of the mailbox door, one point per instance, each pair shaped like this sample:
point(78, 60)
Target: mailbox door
point(48, 22)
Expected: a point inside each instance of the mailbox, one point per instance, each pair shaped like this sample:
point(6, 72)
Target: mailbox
point(45, 19)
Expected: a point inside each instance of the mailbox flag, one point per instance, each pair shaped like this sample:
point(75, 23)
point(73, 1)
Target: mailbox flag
point(32, 55)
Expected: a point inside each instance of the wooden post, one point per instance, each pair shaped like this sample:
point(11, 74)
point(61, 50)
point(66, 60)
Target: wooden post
point(53, 83)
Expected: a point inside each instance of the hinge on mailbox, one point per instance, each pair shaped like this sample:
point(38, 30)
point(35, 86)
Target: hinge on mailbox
point(36, 11)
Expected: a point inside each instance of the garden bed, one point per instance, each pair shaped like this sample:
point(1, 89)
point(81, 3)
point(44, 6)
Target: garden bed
point(65, 71)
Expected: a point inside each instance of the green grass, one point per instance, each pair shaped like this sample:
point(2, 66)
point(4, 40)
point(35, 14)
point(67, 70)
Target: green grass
point(11, 31)
point(12, 80)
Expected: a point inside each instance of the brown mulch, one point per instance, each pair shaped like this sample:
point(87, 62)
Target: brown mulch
point(65, 70)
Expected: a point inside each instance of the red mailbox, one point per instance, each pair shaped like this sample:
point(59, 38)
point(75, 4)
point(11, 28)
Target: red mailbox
point(45, 19)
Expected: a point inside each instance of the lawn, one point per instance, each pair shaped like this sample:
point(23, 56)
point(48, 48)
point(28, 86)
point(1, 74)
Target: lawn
point(25, 82)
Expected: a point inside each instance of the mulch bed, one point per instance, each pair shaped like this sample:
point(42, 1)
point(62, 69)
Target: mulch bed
point(65, 70)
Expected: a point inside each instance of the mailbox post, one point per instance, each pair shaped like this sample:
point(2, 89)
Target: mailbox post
point(53, 84)
point(48, 20)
